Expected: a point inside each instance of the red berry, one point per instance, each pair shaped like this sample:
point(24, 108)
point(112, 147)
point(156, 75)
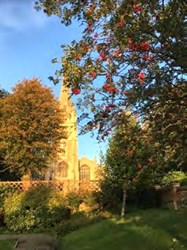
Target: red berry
point(137, 8)
point(132, 46)
point(141, 77)
point(103, 56)
point(93, 75)
point(144, 46)
point(75, 91)
point(121, 23)
point(78, 57)
point(107, 108)
point(95, 34)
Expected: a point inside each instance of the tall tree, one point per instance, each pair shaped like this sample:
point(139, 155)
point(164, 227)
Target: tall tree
point(30, 127)
point(126, 45)
point(130, 55)
point(131, 160)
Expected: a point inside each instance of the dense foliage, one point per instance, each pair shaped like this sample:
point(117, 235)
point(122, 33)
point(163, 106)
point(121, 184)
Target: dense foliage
point(37, 208)
point(43, 208)
point(143, 43)
point(131, 55)
point(174, 177)
point(130, 161)
point(129, 158)
point(4, 171)
point(30, 127)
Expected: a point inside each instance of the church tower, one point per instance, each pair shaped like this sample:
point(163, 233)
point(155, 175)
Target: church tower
point(67, 164)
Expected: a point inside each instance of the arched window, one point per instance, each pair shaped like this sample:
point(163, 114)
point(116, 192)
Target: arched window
point(84, 172)
point(62, 170)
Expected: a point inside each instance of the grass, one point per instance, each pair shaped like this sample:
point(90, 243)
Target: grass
point(144, 230)
point(7, 244)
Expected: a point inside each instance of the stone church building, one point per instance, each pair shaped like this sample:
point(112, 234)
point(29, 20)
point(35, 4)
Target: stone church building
point(68, 165)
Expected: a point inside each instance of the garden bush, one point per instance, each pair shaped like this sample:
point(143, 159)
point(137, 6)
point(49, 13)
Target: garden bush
point(110, 197)
point(86, 201)
point(89, 202)
point(74, 199)
point(173, 177)
point(6, 191)
point(38, 207)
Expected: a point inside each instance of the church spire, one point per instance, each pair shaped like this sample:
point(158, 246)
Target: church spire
point(65, 94)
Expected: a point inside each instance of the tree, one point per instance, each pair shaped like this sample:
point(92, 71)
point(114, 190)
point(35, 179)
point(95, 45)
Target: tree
point(130, 54)
point(167, 120)
point(30, 127)
point(4, 171)
point(131, 161)
point(125, 45)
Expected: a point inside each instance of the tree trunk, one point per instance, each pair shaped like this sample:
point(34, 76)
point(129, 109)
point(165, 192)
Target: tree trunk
point(123, 208)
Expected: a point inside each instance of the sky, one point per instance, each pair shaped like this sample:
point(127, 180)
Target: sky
point(29, 40)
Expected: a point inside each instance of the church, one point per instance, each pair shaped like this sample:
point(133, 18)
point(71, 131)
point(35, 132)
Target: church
point(68, 165)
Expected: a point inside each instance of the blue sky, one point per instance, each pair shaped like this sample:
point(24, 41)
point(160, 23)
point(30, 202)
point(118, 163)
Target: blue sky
point(29, 40)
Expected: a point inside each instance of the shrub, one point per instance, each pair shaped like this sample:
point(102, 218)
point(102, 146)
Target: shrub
point(6, 191)
point(74, 200)
point(172, 177)
point(16, 217)
point(82, 201)
point(89, 202)
point(38, 207)
point(110, 196)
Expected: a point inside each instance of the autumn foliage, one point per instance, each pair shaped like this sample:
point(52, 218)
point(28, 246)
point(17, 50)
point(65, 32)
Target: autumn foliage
point(30, 127)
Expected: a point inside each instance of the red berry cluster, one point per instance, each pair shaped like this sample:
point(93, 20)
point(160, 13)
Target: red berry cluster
point(137, 8)
point(107, 87)
point(141, 77)
point(75, 91)
point(143, 46)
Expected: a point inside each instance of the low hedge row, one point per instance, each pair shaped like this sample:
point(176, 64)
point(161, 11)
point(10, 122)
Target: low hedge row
point(38, 207)
point(42, 208)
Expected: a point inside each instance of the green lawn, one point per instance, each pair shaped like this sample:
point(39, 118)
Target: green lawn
point(143, 230)
point(7, 244)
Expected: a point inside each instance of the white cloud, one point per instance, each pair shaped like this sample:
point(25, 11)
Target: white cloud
point(19, 15)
